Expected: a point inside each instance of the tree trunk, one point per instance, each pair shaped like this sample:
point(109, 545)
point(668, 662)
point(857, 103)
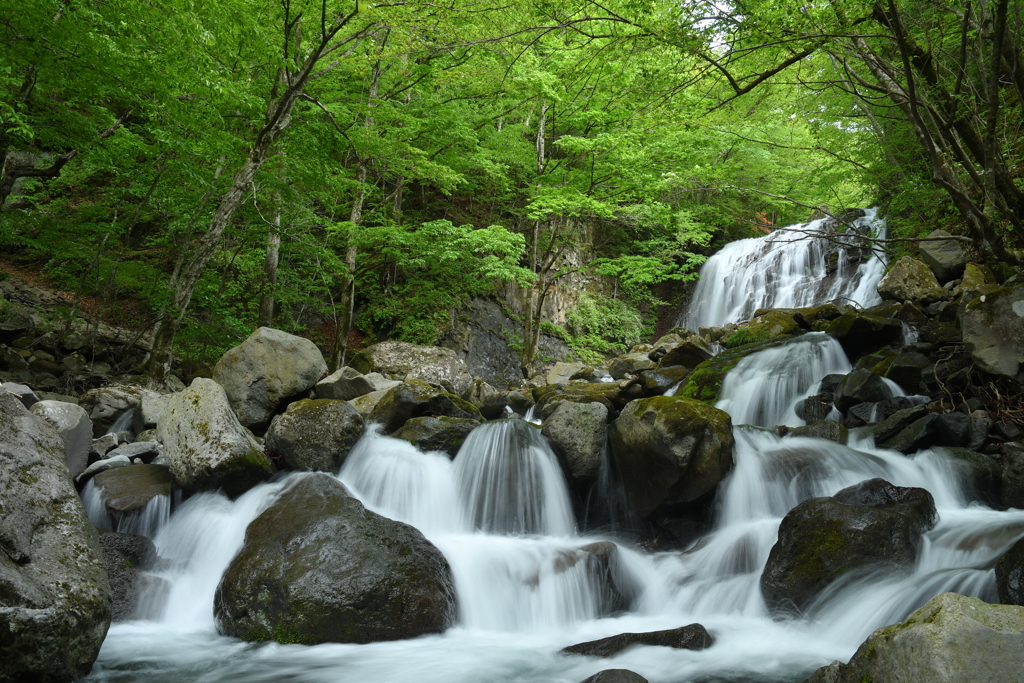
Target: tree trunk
point(266, 318)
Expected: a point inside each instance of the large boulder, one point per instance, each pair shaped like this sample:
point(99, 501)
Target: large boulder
point(860, 386)
point(872, 524)
point(578, 434)
point(315, 435)
point(993, 330)
point(608, 394)
point(74, 427)
point(318, 567)
point(944, 257)
point(691, 637)
point(911, 280)
point(488, 400)
point(54, 594)
point(147, 414)
point(862, 331)
point(429, 433)
point(266, 371)
point(348, 383)
point(670, 450)
point(416, 398)
point(1011, 488)
point(404, 361)
point(952, 639)
point(124, 556)
point(630, 364)
point(562, 372)
point(688, 353)
point(206, 445)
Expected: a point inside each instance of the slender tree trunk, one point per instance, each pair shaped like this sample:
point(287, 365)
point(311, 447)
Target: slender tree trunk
point(270, 262)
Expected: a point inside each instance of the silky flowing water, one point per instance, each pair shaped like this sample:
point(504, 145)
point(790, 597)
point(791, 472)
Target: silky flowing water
point(502, 515)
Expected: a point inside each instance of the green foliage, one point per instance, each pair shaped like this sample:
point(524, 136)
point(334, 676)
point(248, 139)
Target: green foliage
point(600, 327)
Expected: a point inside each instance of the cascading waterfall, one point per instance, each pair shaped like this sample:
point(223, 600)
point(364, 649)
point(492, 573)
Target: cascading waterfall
point(500, 513)
point(789, 268)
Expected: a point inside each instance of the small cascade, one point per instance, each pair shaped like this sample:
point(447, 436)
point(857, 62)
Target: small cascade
point(123, 423)
point(790, 268)
point(148, 521)
point(95, 508)
point(764, 387)
point(510, 481)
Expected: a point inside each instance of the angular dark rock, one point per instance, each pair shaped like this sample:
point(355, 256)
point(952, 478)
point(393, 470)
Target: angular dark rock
point(691, 637)
point(1010, 575)
point(860, 386)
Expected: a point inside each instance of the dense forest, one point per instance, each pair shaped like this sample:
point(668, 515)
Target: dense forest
point(352, 171)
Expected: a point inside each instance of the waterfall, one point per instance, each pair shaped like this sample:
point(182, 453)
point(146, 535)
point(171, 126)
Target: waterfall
point(789, 268)
point(501, 514)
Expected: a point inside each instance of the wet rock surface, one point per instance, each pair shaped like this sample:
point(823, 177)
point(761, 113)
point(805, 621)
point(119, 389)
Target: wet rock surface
point(871, 525)
point(314, 435)
point(416, 398)
point(317, 567)
point(578, 434)
point(1010, 575)
point(691, 637)
point(124, 557)
point(445, 434)
point(54, 592)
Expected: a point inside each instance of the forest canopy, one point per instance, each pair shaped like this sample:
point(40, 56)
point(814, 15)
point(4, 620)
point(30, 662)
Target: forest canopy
point(200, 168)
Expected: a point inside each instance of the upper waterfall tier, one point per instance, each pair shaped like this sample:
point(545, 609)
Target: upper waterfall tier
point(801, 265)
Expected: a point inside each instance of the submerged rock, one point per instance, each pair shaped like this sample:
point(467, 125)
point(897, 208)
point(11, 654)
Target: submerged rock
point(670, 450)
point(691, 637)
point(615, 676)
point(952, 639)
point(206, 445)
point(315, 435)
point(54, 593)
point(871, 525)
point(266, 371)
point(823, 429)
point(318, 567)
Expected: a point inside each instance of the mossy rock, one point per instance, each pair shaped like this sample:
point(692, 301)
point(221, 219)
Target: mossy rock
point(607, 393)
point(416, 398)
point(670, 451)
point(315, 435)
point(860, 332)
point(705, 382)
point(445, 434)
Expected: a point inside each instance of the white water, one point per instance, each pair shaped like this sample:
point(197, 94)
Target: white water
point(501, 515)
point(786, 269)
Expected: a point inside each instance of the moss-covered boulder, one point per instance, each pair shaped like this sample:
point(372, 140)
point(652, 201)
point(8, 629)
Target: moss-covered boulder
point(54, 593)
point(416, 398)
point(670, 450)
point(860, 386)
point(861, 332)
point(265, 372)
point(705, 382)
point(315, 435)
point(872, 524)
point(608, 394)
point(578, 434)
point(910, 279)
point(206, 445)
point(992, 326)
point(318, 567)
point(952, 639)
point(767, 324)
point(823, 429)
point(445, 434)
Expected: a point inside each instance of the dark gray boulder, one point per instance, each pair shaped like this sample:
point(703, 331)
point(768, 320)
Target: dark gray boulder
point(314, 435)
point(981, 475)
point(124, 556)
point(860, 386)
point(670, 450)
point(578, 434)
point(1010, 575)
point(1011, 487)
point(691, 637)
point(416, 398)
point(318, 567)
point(54, 593)
point(823, 429)
point(344, 385)
point(872, 524)
point(944, 257)
point(861, 331)
point(486, 398)
point(265, 372)
point(616, 676)
point(992, 326)
point(125, 490)
point(445, 434)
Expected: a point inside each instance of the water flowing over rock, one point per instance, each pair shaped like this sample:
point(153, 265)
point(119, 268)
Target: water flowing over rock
point(867, 526)
point(404, 361)
point(129, 490)
point(670, 450)
point(315, 435)
point(54, 593)
point(993, 331)
point(952, 639)
point(267, 370)
point(317, 567)
point(786, 269)
point(206, 445)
